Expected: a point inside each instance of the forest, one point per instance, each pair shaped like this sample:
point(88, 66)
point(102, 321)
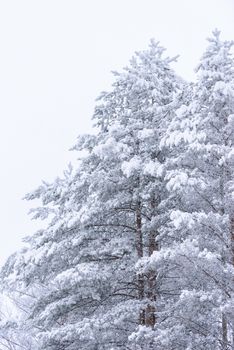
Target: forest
point(138, 248)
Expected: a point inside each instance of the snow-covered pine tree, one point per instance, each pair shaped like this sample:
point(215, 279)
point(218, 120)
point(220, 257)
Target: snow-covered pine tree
point(106, 217)
point(200, 180)
point(132, 119)
point(139, 252)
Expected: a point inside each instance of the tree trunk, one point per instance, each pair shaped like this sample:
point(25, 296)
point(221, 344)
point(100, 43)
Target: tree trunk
point(224, 332)
point(223, 180)
point(139, 246)
point(232, 237)
point(150, 318)
point(232, 258)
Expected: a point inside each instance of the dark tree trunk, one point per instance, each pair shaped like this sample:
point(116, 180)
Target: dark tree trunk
point(139, 247)
point(150, 318)
point(232, 259)
point(224, 333)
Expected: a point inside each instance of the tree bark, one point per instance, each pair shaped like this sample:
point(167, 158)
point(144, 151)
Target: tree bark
point(224, 332)
point(140, 252)
point(232, 259)
point(150, 318)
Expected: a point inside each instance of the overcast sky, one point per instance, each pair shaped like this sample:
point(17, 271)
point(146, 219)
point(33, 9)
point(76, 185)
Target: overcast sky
point(56, 57)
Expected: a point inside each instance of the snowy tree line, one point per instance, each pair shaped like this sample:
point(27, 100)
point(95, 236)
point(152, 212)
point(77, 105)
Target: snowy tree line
point(138, 253)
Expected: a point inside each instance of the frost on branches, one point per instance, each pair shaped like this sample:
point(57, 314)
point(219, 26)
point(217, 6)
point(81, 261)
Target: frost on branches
point(139, 250)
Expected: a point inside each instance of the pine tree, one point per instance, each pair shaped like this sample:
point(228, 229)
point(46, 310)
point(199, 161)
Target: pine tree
point(105, 217)
point(200, 181)
point(138, 253)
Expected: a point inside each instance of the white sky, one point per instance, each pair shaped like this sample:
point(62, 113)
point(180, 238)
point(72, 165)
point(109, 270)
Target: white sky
point(56, 57)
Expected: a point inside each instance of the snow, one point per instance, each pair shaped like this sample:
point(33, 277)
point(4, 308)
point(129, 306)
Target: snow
point(176, 180)
point(132, 166)
point(145, 133)
point(153, 168)
point(181, 219)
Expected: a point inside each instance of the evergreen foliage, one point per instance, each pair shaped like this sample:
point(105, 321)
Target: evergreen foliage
point(138, 253)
